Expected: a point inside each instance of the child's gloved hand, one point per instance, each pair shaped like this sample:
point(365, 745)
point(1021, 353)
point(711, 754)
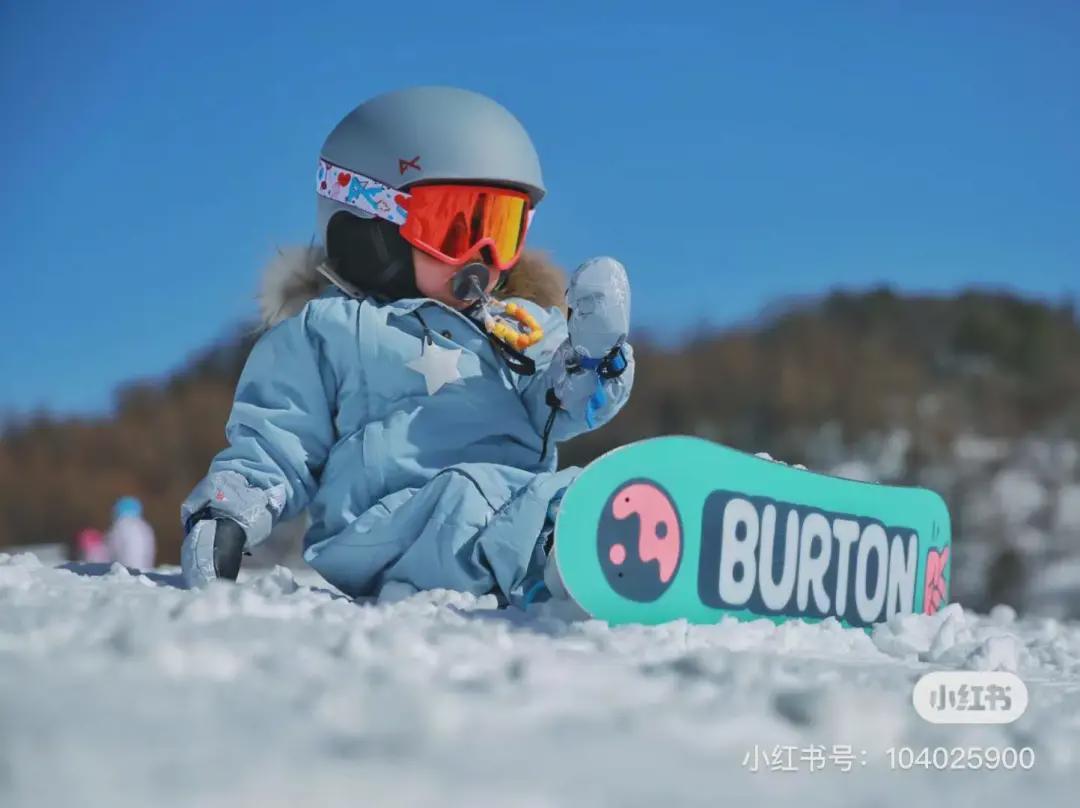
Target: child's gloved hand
point(212, 549)
point(599, 303)
point(586, 373)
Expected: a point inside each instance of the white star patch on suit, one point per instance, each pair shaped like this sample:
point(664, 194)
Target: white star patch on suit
point(438, 365)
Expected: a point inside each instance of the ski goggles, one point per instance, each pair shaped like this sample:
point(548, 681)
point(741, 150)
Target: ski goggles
point(450, 222)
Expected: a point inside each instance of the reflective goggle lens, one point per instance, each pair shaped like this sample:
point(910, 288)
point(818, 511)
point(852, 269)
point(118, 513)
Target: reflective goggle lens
point(454, 221)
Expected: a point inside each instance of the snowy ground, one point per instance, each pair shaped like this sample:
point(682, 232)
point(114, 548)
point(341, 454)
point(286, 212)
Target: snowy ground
point(122, 690)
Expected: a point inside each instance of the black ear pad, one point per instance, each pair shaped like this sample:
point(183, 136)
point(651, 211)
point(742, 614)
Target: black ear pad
point(371, 255)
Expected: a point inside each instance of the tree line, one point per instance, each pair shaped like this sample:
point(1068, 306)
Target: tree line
point(977, 362)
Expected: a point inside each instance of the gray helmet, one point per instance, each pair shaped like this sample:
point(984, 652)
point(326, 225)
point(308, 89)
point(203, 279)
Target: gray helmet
point(428, 134)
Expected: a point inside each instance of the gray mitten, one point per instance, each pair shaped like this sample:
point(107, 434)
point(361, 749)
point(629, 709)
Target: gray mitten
point(212, 549)
point(598, 323)
point(599, 302)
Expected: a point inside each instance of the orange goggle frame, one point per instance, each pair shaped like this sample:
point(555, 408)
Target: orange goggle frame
point(450, 222)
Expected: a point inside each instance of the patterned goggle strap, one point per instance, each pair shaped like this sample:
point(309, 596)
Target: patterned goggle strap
point(363, 193)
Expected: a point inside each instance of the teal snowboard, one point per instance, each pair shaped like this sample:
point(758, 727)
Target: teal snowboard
point(681, 528)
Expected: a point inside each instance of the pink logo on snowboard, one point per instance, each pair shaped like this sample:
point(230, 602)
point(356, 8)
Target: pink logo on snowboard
point(934, 580)
point(658, 538)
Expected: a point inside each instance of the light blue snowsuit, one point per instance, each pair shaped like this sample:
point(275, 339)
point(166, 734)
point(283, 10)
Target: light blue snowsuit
point(436, 490)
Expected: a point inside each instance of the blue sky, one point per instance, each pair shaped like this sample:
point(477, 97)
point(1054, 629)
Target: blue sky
point(731, 154)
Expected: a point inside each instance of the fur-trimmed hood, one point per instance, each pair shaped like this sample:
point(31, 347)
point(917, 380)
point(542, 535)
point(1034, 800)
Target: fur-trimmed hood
point(299, 274)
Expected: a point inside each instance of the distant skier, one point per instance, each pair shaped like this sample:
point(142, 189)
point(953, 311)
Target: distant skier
point(131, 539)
point(418, 369)
point(90, 546)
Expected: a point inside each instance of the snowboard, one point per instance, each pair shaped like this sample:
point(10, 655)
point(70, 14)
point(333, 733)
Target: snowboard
point(680, 528)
